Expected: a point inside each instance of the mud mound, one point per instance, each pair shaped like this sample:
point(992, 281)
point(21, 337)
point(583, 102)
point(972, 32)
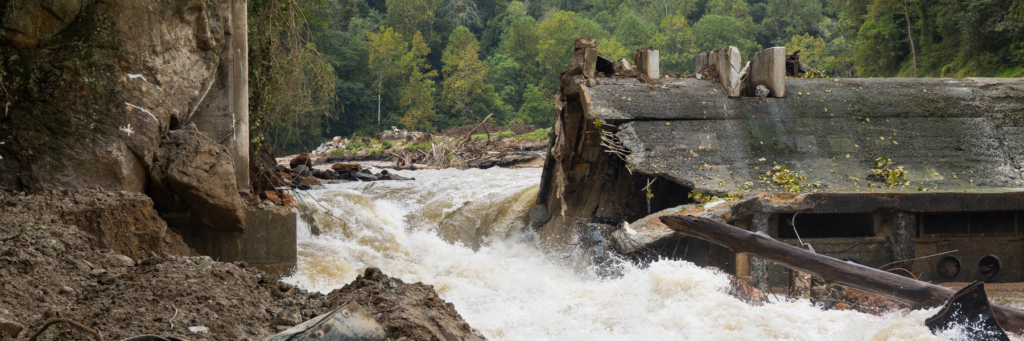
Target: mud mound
point(52, 269)
point(520, 128)
point(412, 311)
point(49, 269)
point(121, 221)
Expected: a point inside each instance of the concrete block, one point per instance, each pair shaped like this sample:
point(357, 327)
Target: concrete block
point(768, 68)
point(701, 61)
point(729, 64)
point(589, 62)
point(646, 61)
point(269, 243)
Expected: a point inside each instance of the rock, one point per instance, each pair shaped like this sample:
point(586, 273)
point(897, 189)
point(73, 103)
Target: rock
point(288, 317)
point(198, 330)
point(311, 181)
point(762, 91)
point(141, 67)
point(122, 259)
point(107, 279)
point(197, 173)
point(364, 175)
point(272, 197)
point(325, 174)
point(10, 328)
point(287, 200)
point(301, 170)
point(66, 290)
point(301, 159)
point(341, 167)
point(385, 175)
point(283, 169)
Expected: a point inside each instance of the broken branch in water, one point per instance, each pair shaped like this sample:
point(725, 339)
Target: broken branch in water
point(470, 135)
point(915, 293)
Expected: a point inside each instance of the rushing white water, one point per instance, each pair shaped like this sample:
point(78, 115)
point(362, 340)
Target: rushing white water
point(461, 231)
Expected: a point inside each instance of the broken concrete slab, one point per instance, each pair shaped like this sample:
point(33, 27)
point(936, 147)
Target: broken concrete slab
point(589, 62)
point(729, 64)
point(768, 69)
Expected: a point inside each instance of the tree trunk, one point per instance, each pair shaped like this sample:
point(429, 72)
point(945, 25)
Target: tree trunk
point(915, 293)
point(913, 51)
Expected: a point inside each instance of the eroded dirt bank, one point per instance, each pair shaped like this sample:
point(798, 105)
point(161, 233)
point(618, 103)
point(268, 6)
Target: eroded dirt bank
point(106, 261)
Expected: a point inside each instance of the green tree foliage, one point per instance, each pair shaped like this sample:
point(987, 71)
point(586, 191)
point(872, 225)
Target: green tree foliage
point(324, 67)
point(411, 16)
point(611, 48)
point(554, 46)
point(716, 31)
point(737, 9)
point(537, 108)
point(678, 46)
point(812, 52)
point(633, 32)
point(292, 84)
point(463, 71)
point(787, 18)
point(417, 92)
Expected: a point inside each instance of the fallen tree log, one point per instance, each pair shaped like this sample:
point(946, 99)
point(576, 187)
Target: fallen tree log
point(912, 292)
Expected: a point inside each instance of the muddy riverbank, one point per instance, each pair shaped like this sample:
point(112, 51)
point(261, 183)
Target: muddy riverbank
point(106, 261)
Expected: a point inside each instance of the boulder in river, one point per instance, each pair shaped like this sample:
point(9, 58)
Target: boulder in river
point(325, 174)
point(195, 172)
point(341, 167)
point(301, 159)
point(385, 175)
point(302, 170)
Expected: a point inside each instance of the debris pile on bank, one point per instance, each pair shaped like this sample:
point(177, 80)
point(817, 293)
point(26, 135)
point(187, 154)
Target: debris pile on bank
point(50, 268)
point(475, 146)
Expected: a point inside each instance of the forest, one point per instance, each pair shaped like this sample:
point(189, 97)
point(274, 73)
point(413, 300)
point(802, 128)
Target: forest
point(324, 68)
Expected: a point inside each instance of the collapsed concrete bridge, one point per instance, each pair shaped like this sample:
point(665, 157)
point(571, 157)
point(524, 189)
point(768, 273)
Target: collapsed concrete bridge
point(872, 170)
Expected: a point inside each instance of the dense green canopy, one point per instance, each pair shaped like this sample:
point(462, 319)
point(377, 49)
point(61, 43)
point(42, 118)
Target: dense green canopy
point(434, 64)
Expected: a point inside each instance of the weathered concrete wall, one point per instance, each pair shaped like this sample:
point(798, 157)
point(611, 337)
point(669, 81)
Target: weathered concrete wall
point(950, 135)
point(268, 243)
point(224, 111)
point(960, 142)
point(970, 250)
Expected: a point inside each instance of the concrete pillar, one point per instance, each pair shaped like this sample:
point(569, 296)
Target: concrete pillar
point(240, 89)
point(224, 112)
point(901, 228)
point(729, 65)
point(759, 267)
point(589, 62)
point(768, 68)
point(701, 61)
point(646, 61)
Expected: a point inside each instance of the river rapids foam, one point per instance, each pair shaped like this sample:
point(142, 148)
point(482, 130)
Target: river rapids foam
point(462, 232)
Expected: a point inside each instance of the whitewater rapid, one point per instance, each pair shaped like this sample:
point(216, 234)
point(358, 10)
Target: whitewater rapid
point(462, 231)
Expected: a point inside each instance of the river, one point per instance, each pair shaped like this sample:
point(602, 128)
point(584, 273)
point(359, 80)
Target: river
point(462, 231)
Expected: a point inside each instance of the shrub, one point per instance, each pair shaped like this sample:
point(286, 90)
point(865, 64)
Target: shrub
point(536, 135)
